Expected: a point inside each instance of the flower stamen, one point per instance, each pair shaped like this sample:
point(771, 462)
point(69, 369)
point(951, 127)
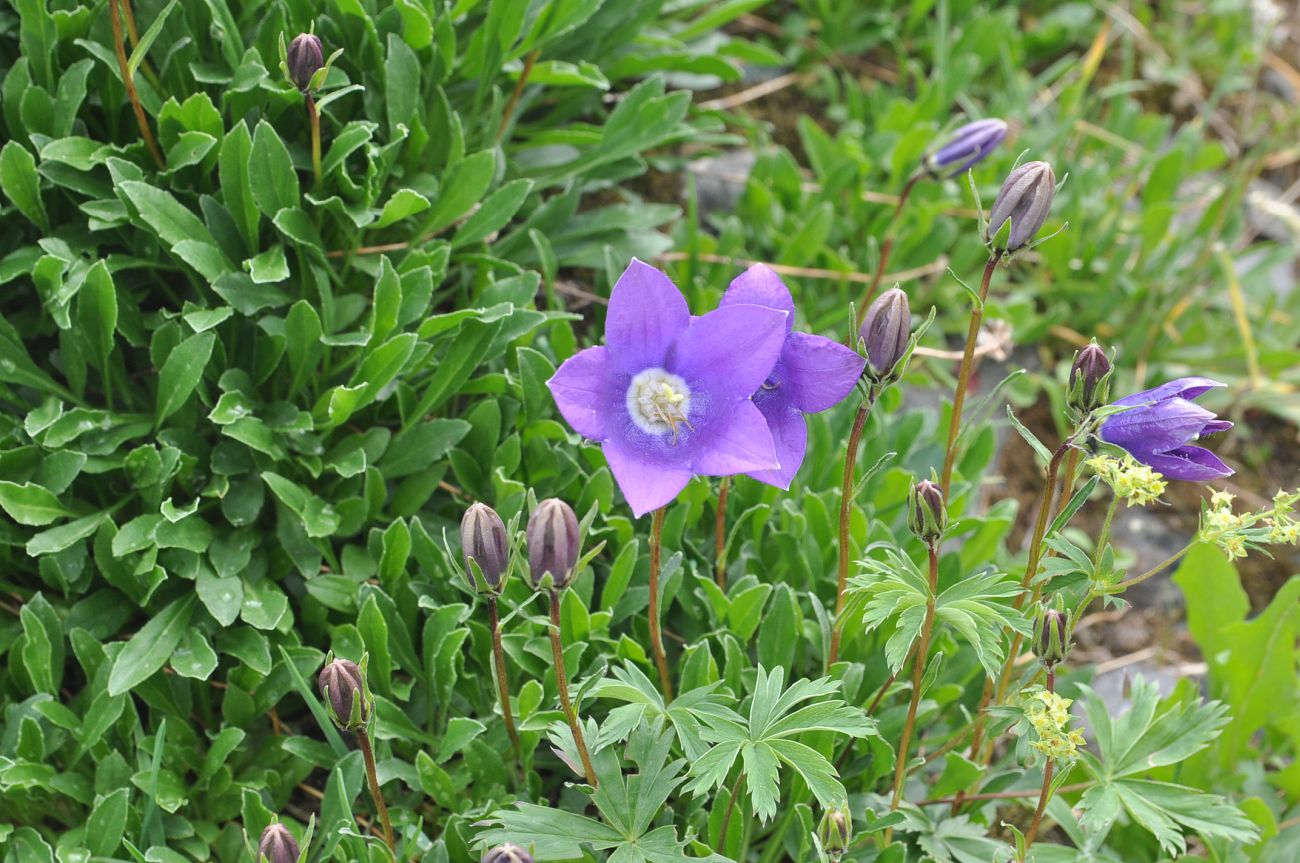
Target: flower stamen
point(659, 402)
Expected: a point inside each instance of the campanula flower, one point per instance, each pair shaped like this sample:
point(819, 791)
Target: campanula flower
point(1162, 424)
point(812, 374)
point(668, 395)
point(966, 146)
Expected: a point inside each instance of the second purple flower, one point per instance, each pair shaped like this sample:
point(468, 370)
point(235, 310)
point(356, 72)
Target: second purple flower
point(1161, 426)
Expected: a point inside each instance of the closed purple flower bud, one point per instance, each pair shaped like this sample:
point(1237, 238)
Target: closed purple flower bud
point(966, 147)
point(483, 541)
point(303, 59)
point(1051, 636)
point(835, 831)
point(1089, 380)
point(552, 537)
point(343, 687)
point(277, 845)
point(927, 512)
point(885, 331)
point(1025, 200)
point(507, 853)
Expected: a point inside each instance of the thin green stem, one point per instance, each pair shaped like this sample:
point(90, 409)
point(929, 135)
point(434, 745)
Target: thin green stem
point(964, 373)
point(1158, 568)
point(315, 140)
point(372, 775)
point(656, 636)
point(846, 504)
point(562, 684)
point(503, 685)
point(720, 534)
point(1045, 793)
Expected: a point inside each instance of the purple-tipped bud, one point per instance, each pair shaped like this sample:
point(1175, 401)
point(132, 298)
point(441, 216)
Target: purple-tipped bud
point(966, 147)
point(835, 831)
point(303, 59)
point(507, 853)
point(1025, 200)
point(552, 538)
point(927, 513)
point(1051, 636)
point(1089, 380)
point(885, 331)
point(277, 845)
point(343, 687)
point(483, 541)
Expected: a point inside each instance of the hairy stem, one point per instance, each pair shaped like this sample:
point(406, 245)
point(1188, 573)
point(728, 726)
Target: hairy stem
point(1045, 794)
point(656, 636)
point(1158, 568)
point(720, 533)
point(372, 775)
point(886, 246)
point(964, 373)
point(503, 686)
point(562, 683)
point(529, 62)
point(115, 13)
point(315, 139)
point(846, 504)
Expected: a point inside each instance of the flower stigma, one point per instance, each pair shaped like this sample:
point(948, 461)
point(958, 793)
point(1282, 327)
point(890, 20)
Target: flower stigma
point(659, 401)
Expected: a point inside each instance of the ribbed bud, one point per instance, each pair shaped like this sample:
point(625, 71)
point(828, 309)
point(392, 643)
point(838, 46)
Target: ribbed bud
point(303, 59)
point(483, 540)
point(1089, 380)
point(552, 538)
point(966, 147)
point(277, 845)
point(1025, 200)
point(927, 512)
point(835, 831)
point(507, 853)
point(885, 331)
point(1051, 636)
point(343, 687)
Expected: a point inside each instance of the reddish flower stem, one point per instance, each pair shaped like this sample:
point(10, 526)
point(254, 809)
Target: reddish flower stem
point(372, 775)
point(964, 373)
point(1045, 794)
point(115, 13)
point(562, 684)
point(887, 246)
point(503, 685)
point(720, 533)
point(846, 503)
point(656, 636)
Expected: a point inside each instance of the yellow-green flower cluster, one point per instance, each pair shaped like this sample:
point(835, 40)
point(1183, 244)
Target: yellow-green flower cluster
point(1236, 533)
point(1049, 714)
point(1135, 483)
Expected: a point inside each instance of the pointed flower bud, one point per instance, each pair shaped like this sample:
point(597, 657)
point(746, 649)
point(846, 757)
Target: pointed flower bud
point(552, 537)
point(507, 853)
point(277, 845)
point(303, 58)
point(1051, 636)
point(885, 331)
point(342, 684)
point(1089, 380)
point(835, 831)
point(1025, 200)
point(966, 147)
point(927, 513)
point(483, 540)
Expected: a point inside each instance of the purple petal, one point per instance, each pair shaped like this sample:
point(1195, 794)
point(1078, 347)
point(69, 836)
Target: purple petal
point(1187, 388)
point(760, 286)
point(646, 314)
point(739, 443)
point(729, 352)
point(819, 372)
point(1215, 426)
point(583, 392)
point(646, 483)
point(1160, 427)
point(789, 434)
point(1188, 463)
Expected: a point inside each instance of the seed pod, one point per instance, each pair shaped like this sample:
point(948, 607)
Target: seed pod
point(303, 59)
point(885, 331)
point(927, 513)
point(507, 853)
point(277, 845)
point(552, 538)
point(1051, 636)
point(1025, 200)
point(835, 831)
point(347, 700)
point(1089, 380)
point(966, 147)
point(483, 540)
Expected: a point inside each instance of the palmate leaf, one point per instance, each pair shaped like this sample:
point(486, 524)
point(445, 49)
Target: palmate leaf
point(1154, 733)
point(972, 607)
point(763, 742)
point(644, 701)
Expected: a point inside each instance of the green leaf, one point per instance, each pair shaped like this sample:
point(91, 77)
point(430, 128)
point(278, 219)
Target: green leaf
point(465, 188)
point(194, 656)
point(270, 266)
point(107, 823)
point(151, 647)
point(147, 39)
point(181, 372)
point(97, 314)
point(493, 215)
point(30, 504)
point(271, 176)
point(21, 184)
point(233, 167)
point(403, 204)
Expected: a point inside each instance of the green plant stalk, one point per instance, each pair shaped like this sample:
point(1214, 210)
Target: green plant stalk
point(918, 674)
point(1046, 793)
point(720, 534)
point(503, 686)
point(315, 140)
point(656, 635)
point(562, 683)
point(846, 503)
point(964, 373)
point(726, 816)
point(372, 775)
point(115, 14)
point(886, 246)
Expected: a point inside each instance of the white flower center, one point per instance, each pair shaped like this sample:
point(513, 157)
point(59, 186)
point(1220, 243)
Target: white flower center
point(659, 402)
